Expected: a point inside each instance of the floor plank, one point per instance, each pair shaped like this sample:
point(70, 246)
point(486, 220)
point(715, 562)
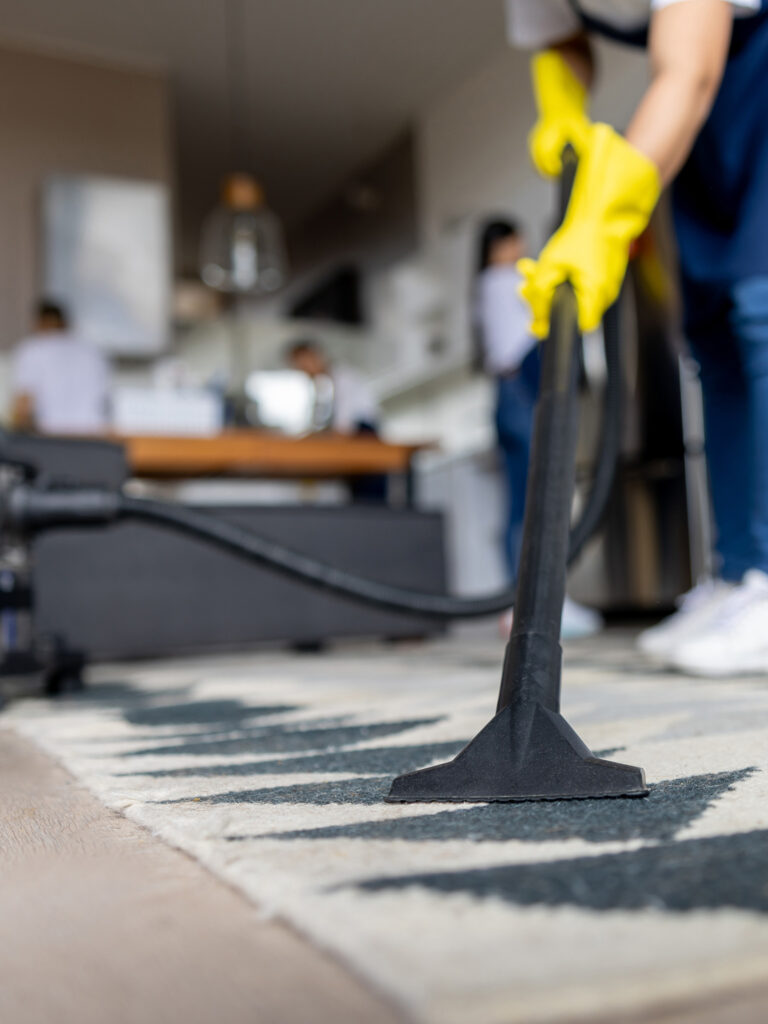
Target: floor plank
point(101, 922)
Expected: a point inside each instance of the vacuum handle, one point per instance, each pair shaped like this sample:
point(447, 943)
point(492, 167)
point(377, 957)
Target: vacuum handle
point(532, 666)
point(570, 163)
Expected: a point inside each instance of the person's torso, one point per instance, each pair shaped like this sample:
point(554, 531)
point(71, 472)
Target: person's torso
point(69, 384)
point(503, 320)
point(353, 401)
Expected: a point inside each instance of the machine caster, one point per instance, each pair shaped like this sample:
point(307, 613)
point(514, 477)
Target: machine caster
point(62, 682)
point(62, 667)
point(309, 647)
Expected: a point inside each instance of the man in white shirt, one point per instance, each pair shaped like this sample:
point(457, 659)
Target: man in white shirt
point(61, 384)
point(355, 409)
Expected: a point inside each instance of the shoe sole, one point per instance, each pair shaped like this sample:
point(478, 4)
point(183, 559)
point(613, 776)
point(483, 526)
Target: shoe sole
point(707, 672)
point(659, 656)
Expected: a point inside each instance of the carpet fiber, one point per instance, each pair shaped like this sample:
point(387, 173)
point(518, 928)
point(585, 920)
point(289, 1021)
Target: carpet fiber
point(272, 769)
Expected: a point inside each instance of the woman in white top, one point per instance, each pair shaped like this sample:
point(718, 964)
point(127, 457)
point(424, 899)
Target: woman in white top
point(510, 354)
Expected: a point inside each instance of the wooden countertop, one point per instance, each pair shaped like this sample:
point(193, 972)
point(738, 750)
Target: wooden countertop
point(253, 453)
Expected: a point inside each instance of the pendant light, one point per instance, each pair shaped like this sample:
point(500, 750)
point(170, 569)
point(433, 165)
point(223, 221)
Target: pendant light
point(242, 248)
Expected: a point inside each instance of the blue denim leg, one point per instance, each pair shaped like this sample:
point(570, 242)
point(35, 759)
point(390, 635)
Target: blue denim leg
point(516, 473)
point(514, 426)
point(749, 323)
point(708, 310)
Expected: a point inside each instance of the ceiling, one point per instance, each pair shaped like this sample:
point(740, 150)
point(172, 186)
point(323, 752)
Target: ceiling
point(329, 83)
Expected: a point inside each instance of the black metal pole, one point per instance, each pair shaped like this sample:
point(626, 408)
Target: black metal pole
point(535, 639)
point(532, 665)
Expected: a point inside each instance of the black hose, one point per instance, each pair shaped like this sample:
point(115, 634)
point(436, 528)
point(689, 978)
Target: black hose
point(266, 552)
point(610, 440)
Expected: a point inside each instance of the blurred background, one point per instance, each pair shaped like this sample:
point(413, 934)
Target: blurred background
point(264, 218)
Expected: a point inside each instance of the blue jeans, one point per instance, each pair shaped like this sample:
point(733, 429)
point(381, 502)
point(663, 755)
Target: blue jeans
point(727, 328)
point(515, 404)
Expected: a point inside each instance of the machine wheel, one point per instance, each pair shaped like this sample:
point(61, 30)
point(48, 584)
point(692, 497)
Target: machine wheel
point(308, 646)
point(61, 682)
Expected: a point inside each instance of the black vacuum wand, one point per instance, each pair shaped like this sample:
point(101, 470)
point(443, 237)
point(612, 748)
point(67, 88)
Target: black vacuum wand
point(529, 751)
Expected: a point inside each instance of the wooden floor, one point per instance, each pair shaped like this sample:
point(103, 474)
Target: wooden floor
point(102, 924)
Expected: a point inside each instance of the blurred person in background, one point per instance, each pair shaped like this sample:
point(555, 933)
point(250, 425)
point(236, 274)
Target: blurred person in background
point(61, 383)
point(701, 126)
point(510, 354)
point(355, 411)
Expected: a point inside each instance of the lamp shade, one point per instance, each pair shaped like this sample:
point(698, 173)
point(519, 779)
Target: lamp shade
point(242, 248)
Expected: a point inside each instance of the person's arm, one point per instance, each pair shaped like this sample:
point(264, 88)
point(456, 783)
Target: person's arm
point(23, 412)
point(23, 374)
point(578, 53)
point(620, 178)
point(688, 50)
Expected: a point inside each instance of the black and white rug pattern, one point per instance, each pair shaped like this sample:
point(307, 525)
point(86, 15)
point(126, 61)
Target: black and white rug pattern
point(272, 770)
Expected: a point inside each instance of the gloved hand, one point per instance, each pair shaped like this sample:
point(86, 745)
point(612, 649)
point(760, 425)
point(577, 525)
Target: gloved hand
point(562, 102)
point(613, 197)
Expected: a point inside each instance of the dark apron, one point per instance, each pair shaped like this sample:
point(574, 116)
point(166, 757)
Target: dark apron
point(720, 197)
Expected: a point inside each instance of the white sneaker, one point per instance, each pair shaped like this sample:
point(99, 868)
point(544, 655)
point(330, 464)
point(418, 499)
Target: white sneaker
point(695, 609)
point(736, 639)
point(579, 621)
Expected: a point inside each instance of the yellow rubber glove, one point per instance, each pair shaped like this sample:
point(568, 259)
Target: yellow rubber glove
point(614, 194)
point(562, 103)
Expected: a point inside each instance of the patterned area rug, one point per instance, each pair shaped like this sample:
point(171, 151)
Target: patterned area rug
point(272, 770)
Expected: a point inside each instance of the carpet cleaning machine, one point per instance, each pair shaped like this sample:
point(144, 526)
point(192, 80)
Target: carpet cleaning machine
point(528, 751)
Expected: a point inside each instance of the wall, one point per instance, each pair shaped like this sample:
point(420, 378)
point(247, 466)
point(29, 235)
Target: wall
point(371, 223)
point(71, 117)
point(371, 220)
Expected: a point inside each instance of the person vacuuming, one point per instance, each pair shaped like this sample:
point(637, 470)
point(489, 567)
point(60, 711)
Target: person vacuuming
point(701, 126)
